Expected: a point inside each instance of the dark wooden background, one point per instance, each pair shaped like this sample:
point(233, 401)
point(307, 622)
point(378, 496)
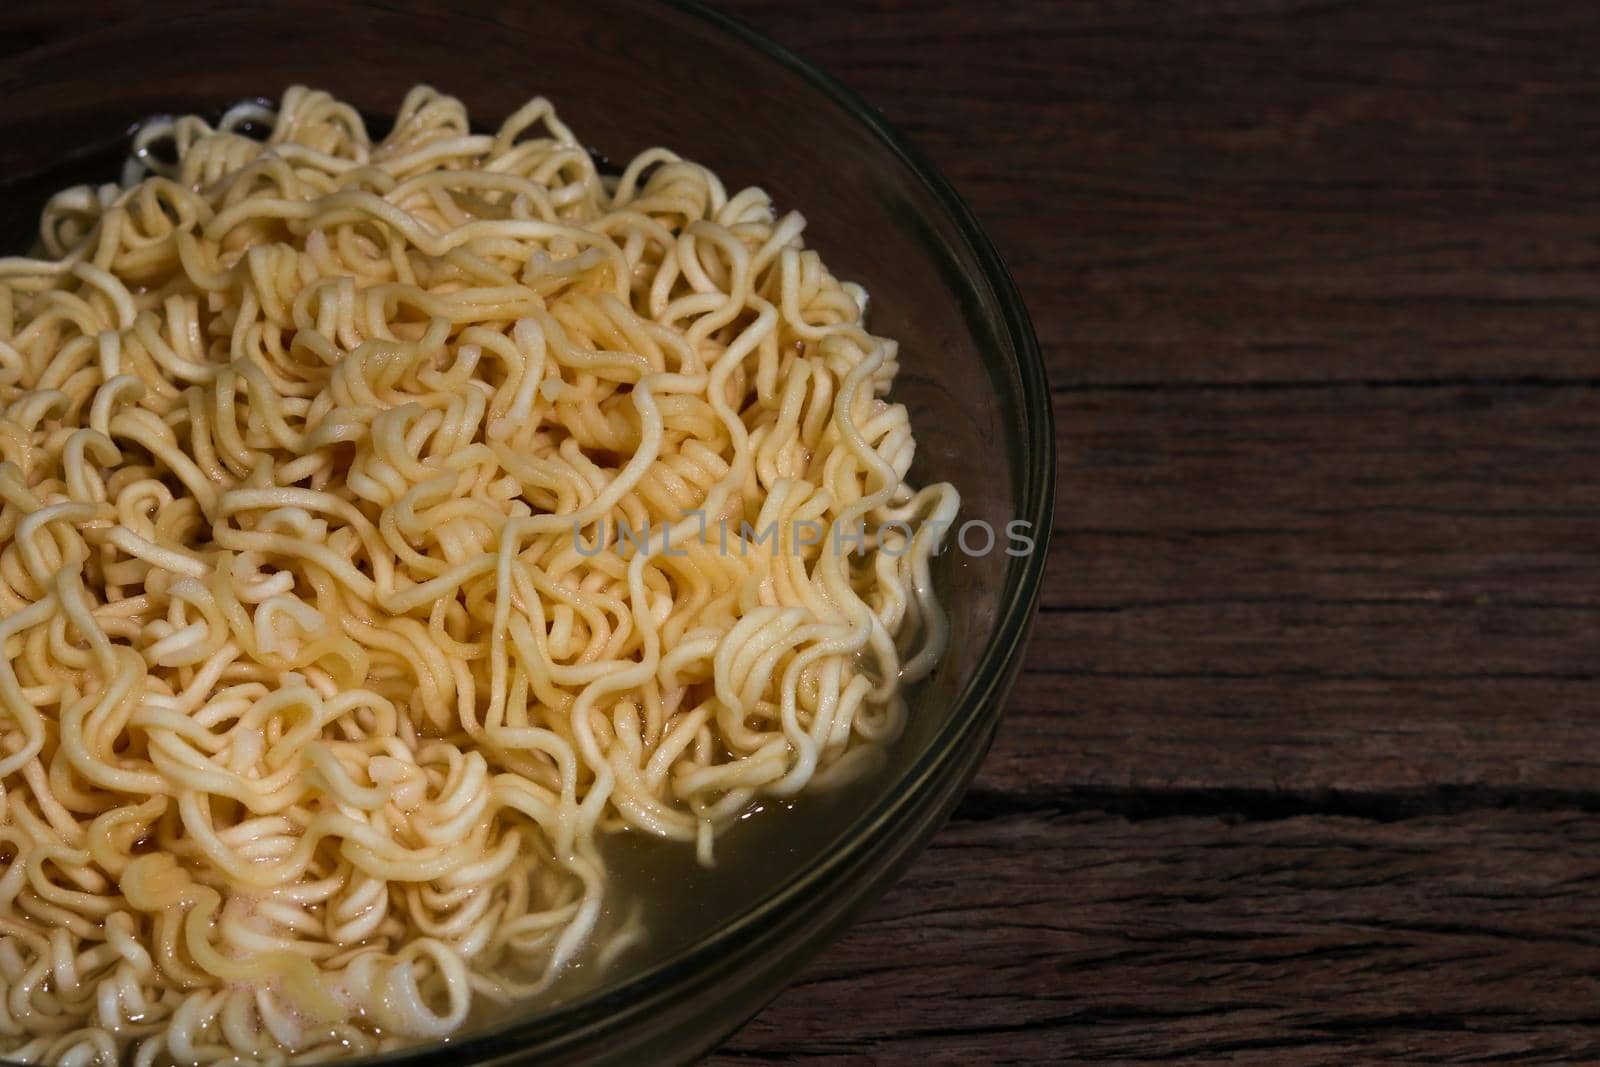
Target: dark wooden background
point(1303, 766)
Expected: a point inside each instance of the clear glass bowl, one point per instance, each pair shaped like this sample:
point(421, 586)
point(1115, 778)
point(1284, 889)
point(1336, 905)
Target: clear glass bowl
point(629, 75)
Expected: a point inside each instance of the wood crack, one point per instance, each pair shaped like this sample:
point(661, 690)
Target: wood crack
point(1278, 385)
point(1143, 803)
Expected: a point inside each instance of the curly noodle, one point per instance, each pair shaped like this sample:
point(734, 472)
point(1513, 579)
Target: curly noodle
point(327, 657)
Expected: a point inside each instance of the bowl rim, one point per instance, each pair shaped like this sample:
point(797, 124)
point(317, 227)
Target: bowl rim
point(976, 706)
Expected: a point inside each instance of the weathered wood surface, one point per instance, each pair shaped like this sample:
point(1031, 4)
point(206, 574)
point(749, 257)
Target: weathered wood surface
point(1303, 766)
point(1044, 938)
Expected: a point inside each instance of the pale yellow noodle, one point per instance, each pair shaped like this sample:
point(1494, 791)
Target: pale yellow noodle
point(328, 657)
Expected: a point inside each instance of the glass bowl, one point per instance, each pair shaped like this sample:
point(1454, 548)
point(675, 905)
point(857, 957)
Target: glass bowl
point(630, 75)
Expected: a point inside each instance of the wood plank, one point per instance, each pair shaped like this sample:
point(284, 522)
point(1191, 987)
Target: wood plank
point(1365, 745)
point(1358, 589)
point(1258, 189)
point(1326, 531)
point(1085, 938)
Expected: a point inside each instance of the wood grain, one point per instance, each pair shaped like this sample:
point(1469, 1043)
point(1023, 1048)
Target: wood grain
point(1377, 588)
point(1301, 769)
point(1308, 940)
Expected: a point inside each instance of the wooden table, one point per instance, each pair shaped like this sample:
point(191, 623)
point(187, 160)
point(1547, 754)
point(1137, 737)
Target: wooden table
point(1303, 767)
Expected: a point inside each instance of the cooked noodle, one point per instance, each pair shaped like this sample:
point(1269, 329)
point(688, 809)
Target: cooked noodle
point(329, 657)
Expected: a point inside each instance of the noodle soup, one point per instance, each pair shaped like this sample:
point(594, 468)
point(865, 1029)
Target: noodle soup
point(401, 537)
